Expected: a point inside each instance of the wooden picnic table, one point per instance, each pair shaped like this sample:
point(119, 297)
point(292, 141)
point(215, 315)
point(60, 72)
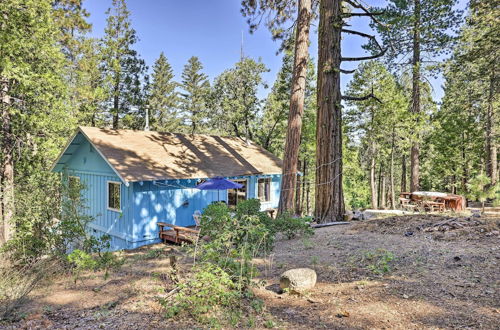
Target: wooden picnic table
point(177, 234)
point(433, 201)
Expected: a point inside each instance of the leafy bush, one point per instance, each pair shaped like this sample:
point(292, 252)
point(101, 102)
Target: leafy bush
point(94, 258)
point(292, 226)
point(50, 217)
point(224, 262)
point(206, 296)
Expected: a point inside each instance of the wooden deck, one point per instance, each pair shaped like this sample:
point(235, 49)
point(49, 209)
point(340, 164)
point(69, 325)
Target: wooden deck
point(177, 234)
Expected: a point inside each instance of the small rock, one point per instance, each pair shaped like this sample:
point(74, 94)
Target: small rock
point(457, 258)
point(409, 233)
point(343, 314)
point(298, 280)
point(405, 296)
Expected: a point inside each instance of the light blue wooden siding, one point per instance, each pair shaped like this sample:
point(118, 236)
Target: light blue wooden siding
point(94, 173)
point(175, 201)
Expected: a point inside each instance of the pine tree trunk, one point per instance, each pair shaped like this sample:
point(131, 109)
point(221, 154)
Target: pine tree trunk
point(465, 166)
point(116, 102)
point(304, 173)
point(383, 194)
point(491, 145)
point(380, 191)
point(298, 193)
point(393, 194)
point(6, 166)
point(415, 98)
point(373, 184)
point(403, 174)
point(328, 191)
point(292, 143)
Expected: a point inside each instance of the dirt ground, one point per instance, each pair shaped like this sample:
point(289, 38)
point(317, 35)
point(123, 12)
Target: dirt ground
point(387, 273)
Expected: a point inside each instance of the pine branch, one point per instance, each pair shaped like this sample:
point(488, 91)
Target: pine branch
point(361, 98)
point(347, 15)
point(365, 10)
point(363, 58)
point(347, 71)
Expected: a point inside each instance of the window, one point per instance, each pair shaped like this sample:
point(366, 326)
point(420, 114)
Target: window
point(114, 195)
point(234, 196)
point(74, 187)
point(264, 189)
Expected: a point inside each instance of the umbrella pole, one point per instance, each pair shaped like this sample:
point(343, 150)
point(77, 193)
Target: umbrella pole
point(218, 195)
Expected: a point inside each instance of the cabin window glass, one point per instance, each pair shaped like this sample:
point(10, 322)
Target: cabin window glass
point(234, 196)
point(114, 195)
point(264, 189)
point(74, 187)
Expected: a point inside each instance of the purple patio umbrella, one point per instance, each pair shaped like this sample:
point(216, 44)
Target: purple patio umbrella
point(218, 183)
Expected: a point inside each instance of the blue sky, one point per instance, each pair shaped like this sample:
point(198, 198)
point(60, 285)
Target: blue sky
point(211, 30)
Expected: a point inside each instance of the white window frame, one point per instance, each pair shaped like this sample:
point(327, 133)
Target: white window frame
point(270, 186)
point(107, 195)
point(246, 190)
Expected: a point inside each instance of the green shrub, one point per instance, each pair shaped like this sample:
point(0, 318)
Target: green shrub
point(207, 297)
point(292, 226)
point(379, 261)
point(94, 257)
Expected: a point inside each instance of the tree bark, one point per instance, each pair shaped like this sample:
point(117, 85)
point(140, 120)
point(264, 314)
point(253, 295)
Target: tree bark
point(116, 104)
point(491, 125)
point(304, 174)
point(298, 200)
point(383, 194)
point(403, 174)
point(292, 143)
point(392, 192)
point(373, 184)
point(329, 195)
point(415, 97)
point(6, 166)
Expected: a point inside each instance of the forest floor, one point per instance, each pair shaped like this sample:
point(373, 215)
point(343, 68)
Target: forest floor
point(382, 273)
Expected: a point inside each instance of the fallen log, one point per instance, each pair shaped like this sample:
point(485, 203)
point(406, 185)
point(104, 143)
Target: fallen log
point(328, 224)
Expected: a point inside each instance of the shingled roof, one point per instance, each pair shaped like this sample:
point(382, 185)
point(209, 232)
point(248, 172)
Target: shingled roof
point(147, 156)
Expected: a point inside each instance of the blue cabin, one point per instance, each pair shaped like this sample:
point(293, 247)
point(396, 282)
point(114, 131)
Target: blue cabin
point(134, 179)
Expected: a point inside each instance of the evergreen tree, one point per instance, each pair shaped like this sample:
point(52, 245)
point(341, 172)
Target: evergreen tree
point(123, 69)
point(379, 124)
point(417, 29)
point(32, 99)
point(236, 99)
point(194, 96)
point(163, 99)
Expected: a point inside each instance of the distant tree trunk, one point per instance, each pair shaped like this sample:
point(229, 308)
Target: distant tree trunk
point(6, 166)
point(292, 143)
point(465, 166)
point(308, 198)
point(298, 193)
point(304, 176)
point(383, 194)
point(373, 184)
point(403, 174)
point(328, 191)
point(415, 98)
point(116, 103)
point(300, 190)
point(392, 193)
point(491, 127)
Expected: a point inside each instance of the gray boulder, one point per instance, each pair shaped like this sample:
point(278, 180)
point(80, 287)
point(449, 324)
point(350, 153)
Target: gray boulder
point(298, 280)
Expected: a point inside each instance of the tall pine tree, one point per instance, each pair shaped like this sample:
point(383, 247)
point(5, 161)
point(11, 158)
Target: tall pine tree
point(194, 96)
point(163, 99)
point(124, 70)
point(417, 29)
